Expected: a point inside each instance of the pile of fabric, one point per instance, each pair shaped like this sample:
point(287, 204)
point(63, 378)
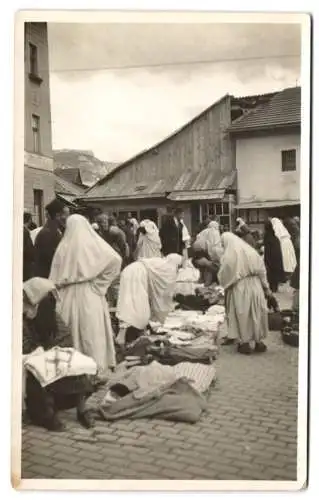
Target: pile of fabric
point(156, 391)
point(202, 299)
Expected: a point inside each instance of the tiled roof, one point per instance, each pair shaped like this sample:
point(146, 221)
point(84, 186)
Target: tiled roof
point(282, 110)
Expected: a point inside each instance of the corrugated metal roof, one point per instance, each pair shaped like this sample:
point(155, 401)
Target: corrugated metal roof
point(283, 109)
point(204, 179)
point(197, 195)
point(138, 190)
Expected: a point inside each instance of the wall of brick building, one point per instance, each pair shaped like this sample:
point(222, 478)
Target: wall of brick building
point(38, 171)
point(37, 179)
point(37, 95)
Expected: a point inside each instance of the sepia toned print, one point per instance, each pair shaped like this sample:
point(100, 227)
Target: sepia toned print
point(158, 325)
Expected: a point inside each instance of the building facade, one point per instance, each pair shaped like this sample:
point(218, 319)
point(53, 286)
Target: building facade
point(38, 158)
point(267, 157)
point(192, 168)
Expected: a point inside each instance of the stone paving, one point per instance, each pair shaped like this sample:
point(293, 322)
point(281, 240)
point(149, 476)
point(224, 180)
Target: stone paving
point(249, 431)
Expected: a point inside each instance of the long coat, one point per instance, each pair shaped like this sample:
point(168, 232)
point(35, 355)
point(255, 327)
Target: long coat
point(45, 246)
point(28, 255)
point(171, 235)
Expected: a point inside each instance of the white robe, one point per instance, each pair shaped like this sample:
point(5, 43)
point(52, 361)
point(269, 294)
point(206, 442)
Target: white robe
point(146, 290)
point(287, 249)
point(87, 265)
point(149, 244)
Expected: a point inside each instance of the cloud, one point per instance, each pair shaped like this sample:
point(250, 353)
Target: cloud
point(118, 113)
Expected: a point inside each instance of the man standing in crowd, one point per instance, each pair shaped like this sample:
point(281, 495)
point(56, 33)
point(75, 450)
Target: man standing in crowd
point(49, 237)
point(112, 234)
point(28, 248)
point(171, 233)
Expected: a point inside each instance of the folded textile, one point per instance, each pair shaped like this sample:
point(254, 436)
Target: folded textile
point(175, 401)
point(52, 365)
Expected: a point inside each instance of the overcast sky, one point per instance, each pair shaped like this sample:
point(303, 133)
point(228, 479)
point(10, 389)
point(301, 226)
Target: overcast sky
point(118, 112)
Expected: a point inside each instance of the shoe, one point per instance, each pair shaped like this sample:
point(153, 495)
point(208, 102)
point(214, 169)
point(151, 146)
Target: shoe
point(227, 341)
point(260, 347)
point(54, 425)
point(86, 419)
point(244, 348)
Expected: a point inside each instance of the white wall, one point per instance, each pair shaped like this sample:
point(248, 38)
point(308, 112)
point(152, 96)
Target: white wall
point(258, 162)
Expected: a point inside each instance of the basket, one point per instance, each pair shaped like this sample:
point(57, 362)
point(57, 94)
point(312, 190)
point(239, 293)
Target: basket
point(290, 329)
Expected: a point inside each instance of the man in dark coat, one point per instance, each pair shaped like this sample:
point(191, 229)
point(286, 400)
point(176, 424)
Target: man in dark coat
point(171, 233)
point(49, 237)
point(28, 248)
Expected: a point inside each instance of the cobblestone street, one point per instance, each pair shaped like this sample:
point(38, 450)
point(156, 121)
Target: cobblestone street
point(248, 432)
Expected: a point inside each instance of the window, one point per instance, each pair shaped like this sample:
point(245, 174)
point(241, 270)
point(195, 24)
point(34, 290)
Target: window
point(288, 160)
point(36, 133)
point(33, 59)
point(38, 206)
point(220, 211)
point(253, 216)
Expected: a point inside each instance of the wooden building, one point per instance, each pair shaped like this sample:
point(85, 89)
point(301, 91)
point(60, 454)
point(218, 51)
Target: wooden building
point(194, 168)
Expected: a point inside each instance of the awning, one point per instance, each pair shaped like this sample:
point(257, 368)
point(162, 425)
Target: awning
point(67, 198)
point(267, 204)
point(197, 195)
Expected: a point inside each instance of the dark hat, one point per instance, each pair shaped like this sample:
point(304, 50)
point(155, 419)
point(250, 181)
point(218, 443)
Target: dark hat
point(54, 207)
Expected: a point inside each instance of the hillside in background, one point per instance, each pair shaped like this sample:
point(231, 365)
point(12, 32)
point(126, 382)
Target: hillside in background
point(91, 168)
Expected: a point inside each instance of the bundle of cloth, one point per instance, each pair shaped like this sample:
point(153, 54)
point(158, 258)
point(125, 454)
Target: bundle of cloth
point(157, 391)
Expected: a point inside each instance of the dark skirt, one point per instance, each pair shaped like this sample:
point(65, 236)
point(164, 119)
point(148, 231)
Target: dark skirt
point(43, 402)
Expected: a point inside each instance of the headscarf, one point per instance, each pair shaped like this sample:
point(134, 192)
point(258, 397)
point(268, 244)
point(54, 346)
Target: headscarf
point(239, 261)
point(149, 244)
point(279, 229)
point(209, 241)
point(185, 235)
point(287, 249)
point(82, 254)
point(162, 275)
point(240, 223)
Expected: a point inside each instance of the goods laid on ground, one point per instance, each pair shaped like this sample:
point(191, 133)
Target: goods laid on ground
point(175, 393)
point(202, 298)
point(290, 328)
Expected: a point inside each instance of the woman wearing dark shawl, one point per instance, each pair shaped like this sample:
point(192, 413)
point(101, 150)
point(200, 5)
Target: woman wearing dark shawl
point(273, 258)
point(42, 327)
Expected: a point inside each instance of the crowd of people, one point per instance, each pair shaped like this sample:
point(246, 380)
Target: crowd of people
point(76, 269)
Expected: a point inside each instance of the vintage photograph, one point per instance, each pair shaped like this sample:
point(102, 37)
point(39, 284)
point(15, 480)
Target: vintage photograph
point(161, 161)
